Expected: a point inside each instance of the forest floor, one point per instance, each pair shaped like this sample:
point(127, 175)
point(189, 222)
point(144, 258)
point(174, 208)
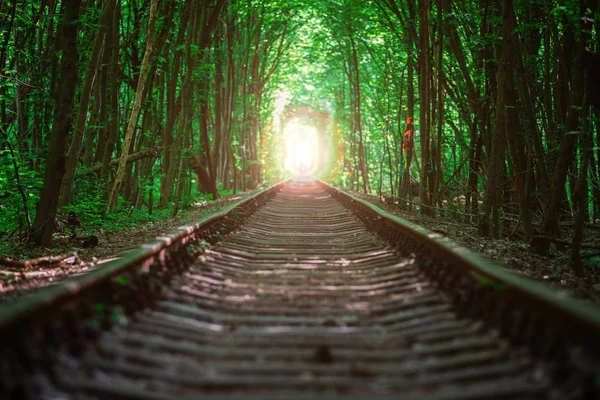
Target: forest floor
point(18, 280)
point(553, 269)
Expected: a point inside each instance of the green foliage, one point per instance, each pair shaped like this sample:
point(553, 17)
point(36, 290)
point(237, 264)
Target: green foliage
point(593, 262)
point(122, 221)
point(88, 204)
point(11, 201)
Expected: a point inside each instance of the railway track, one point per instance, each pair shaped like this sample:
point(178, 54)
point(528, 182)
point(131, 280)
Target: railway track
point(314, 294)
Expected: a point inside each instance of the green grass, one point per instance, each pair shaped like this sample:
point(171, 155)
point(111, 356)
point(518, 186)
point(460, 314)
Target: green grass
point(90, 207)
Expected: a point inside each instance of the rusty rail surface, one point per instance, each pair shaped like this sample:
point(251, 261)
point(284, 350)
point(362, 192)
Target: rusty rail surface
point(314, 293)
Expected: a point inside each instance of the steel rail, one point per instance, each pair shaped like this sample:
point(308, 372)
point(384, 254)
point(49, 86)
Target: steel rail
point(474, 279)
point(51, 297)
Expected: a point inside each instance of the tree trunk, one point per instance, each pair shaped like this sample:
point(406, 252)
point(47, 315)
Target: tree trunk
point(362, 164)
point(113, 129)
point(135, 111)
point(43, 225)
point(424, 107)
point(513, 132)
point(92, 134)
point(581, 201)
point(572, 125)
point(173, 109)
point(488, 224)
point(408, 145)
point(86, 92)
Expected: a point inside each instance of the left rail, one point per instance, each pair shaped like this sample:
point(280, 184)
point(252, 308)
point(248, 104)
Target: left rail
point(143, 267)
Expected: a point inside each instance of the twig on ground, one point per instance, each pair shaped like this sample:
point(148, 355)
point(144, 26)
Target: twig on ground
point(36, 262)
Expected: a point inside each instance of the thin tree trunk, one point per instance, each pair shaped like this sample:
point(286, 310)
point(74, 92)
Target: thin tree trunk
point(135, 111)
point(568, 139)
point(113, 131)
point(362, 165)
point(424, 107)
point(43, 225)
point(92, 134)
point(84, 100)
point(513, 132)
point(173, 109)
point(19, 184)
point(408, 144)
point(488, 224)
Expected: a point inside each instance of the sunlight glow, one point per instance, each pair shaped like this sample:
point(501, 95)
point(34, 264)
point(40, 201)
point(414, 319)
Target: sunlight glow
point(301, 148)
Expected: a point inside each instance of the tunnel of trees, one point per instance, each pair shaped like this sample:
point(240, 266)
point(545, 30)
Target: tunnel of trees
point(485, 111)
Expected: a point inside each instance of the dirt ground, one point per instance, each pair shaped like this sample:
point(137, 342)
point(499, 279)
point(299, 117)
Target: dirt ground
point(516, 256)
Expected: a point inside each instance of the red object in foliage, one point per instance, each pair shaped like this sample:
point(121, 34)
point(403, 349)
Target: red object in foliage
point(409, 120)
point(407, 137)
point(517, 183)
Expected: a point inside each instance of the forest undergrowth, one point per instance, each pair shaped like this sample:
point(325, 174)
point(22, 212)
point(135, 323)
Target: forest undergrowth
point(117, 234)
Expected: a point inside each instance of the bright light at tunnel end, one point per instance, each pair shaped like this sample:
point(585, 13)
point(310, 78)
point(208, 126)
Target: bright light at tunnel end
point(301, 149)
